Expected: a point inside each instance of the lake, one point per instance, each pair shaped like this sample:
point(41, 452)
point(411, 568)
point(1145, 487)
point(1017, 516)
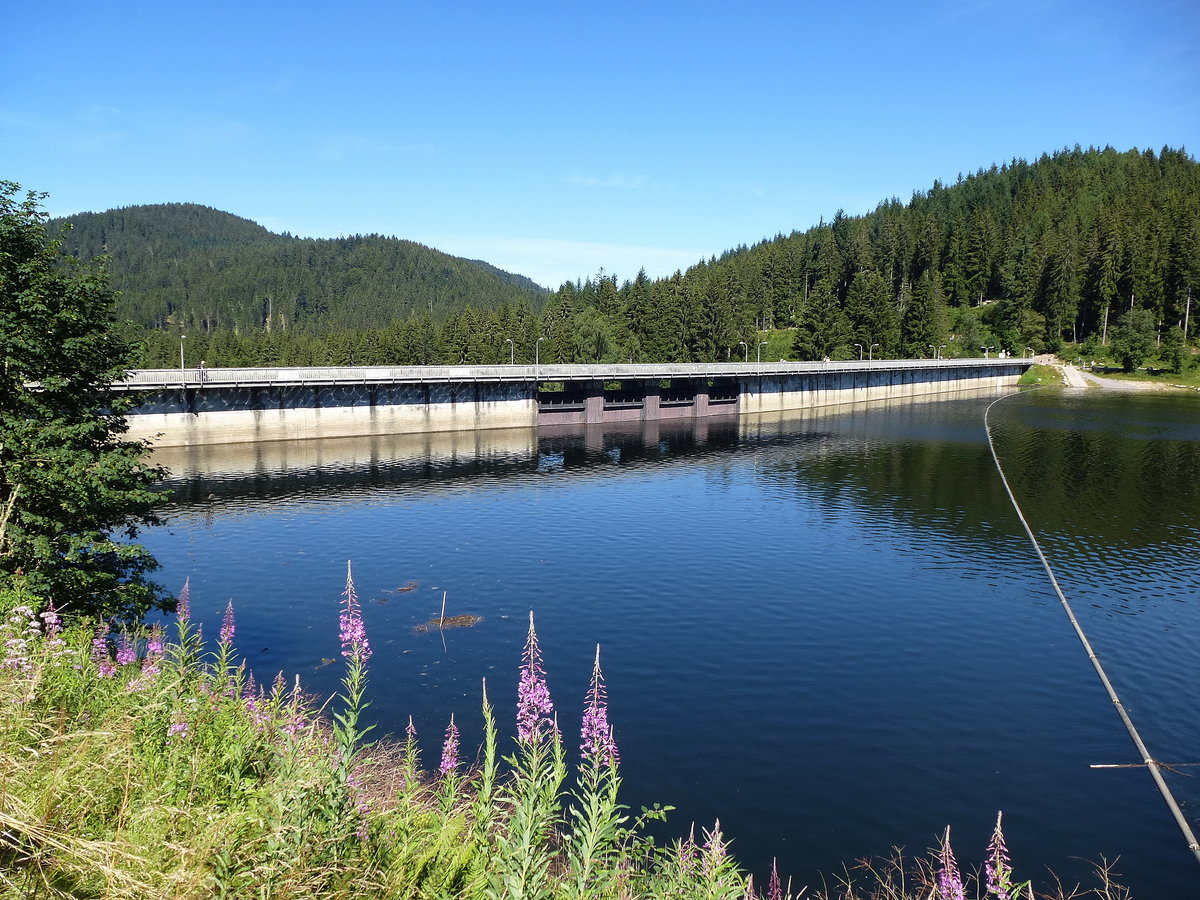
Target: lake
point(829, 632)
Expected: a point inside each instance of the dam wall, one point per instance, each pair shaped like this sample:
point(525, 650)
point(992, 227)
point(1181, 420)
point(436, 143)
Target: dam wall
point(227, 406)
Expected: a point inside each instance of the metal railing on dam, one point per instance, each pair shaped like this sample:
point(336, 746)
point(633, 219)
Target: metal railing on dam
point(153, 379)
point(203, 406)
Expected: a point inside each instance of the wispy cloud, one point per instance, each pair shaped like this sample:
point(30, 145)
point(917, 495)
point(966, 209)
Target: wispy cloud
point(616, 180)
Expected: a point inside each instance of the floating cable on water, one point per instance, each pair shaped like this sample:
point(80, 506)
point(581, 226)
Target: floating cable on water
point(1148, 761)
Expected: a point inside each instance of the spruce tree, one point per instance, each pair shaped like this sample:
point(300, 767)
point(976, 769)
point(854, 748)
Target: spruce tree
point(71, 486)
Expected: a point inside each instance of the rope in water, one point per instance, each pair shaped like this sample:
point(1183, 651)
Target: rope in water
point(1151, 764)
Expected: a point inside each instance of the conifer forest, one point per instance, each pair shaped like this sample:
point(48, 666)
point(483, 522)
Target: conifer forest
point(1068, 249)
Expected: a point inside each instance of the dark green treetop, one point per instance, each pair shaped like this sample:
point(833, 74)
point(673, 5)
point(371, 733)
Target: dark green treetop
point(1133, 338)
point(70, 484)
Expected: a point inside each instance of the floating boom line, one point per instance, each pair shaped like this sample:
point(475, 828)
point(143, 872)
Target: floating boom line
point(1154, 767)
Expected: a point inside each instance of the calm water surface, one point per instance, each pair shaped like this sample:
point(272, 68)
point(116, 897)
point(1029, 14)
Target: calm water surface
point(830, 632)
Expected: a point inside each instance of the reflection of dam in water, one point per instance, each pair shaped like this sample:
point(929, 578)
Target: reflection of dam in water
point(180, 407)
point(329, 466)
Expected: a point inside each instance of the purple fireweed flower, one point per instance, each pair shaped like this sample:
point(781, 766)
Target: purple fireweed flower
point(51, 622)
point(774, 886)
point(154, 652)
point(411, 731)
point(353, 632)
point(183, 607)
point(596, 736)
point(450, 749)
point(154, 641)
point(356, 791)
point(997, 867)
point(177, 729)
point(534, 706)
point(16, 632)
point(715, 851)
point(949, 881)
point(126, 651)
point(226, 633)
point(688, 853)
point(100, 654)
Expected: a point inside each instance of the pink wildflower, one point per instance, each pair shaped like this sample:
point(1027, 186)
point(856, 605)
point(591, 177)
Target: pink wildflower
point(154, 652)
point(183, 605)
point(715, 851)
point(949, 881)
point(596, 735)
point(688, 853)
point(774, 886)
point(51, 620)
point(226, 634)
point(997, 867)
point(126, 651)
point(353, 632)
point(450, 749)
point(100, 654)
point(534, 706)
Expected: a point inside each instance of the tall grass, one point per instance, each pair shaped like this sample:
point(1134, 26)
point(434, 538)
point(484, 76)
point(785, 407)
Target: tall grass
point(137, 765)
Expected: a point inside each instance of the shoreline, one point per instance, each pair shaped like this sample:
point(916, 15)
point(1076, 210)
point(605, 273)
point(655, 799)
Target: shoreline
point(1076, 377)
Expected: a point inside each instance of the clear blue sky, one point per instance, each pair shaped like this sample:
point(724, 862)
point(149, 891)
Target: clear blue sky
point(553, 139)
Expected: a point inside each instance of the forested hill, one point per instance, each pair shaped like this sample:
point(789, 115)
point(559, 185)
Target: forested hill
point(1076, 248)
point(1019, 255)
point(191, 268)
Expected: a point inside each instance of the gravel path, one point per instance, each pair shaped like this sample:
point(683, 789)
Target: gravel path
point(1078, 378)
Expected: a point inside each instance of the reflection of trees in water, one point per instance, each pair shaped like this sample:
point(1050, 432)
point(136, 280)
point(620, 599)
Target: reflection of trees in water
point(1102, 469)
point(1120, 470)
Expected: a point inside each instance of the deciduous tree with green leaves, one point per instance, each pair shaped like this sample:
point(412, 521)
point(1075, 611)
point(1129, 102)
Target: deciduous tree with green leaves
point(71, 486)
point(1133, 338)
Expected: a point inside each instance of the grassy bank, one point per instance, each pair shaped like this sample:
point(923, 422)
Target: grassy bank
point(1046, 376)
point(153, 765)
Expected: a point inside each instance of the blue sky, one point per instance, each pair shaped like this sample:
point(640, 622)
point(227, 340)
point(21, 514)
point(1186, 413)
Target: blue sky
point(554, 140)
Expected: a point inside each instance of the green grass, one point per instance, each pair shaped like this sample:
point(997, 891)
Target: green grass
point(161, 770)
point(1046, 376)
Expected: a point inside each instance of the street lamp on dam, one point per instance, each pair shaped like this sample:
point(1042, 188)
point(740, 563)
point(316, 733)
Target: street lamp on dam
point(182, 338)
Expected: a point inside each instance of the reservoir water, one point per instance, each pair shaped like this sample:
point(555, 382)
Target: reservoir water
point(830, 633)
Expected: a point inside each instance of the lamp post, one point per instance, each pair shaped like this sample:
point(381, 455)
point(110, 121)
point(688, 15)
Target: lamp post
point(182, 337)
point(1029, 352)
point(512, 352)
point(940, 348)
point(746, 346)
point(761, 344)
point(986, 351)
point(934, 349)
point(536, 357)
point(870, 351)
point(860, 351)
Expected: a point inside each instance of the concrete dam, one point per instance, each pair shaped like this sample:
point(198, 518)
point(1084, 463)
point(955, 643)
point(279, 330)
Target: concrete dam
point(184, 407)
